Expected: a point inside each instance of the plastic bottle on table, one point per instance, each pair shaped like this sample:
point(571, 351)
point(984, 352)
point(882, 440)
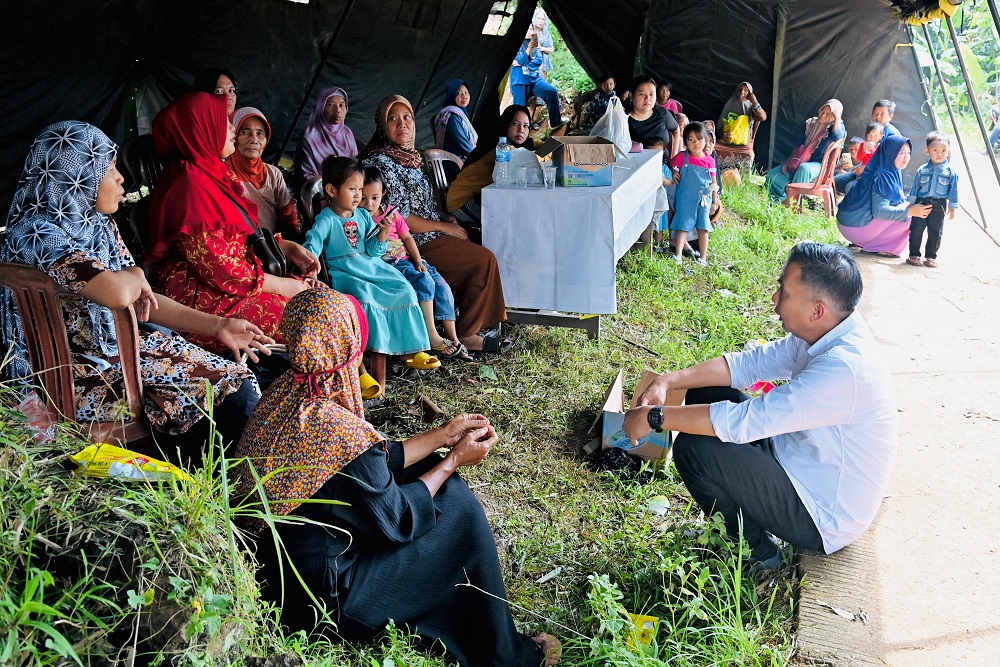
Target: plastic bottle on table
point(502, 173)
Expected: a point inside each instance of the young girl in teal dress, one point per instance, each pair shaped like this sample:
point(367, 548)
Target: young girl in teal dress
point(353, 245)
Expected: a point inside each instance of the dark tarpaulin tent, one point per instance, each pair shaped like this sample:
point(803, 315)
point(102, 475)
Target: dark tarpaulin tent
point(796, 53)
point(115, 63)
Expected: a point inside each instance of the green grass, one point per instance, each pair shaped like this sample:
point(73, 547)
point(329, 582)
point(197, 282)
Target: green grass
point(163, 556)
point(567, 75)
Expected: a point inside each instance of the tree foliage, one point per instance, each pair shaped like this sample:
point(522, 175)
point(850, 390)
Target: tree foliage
point(978, 45)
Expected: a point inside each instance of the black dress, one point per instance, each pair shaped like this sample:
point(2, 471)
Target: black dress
point(409, 551)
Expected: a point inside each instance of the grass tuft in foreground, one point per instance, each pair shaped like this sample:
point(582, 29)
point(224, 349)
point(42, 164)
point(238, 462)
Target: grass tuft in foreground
point(94, 572)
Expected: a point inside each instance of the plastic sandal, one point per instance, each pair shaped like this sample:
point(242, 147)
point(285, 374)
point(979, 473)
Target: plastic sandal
point(370, 388)
point(460, 352)
point(913, 261)
point(422, 361)
point(930, 263)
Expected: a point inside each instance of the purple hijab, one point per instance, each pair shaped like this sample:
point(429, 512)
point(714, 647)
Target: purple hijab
point(323, 139)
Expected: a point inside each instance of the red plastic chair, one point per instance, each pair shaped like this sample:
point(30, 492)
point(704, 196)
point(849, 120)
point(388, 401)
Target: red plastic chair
point(48, 349)
point(822, 187)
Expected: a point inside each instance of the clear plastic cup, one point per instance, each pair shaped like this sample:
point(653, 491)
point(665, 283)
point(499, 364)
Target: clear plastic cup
point(550, 177)
point(521, 176)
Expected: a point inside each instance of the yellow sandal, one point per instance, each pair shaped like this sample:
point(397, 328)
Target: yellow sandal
point(423, 362)
point(370, 388)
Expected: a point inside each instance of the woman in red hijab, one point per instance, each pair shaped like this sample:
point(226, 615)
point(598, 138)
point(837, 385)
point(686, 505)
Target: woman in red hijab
point(199, 222)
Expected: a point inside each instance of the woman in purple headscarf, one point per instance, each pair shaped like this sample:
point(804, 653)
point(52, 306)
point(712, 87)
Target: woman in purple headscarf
point(325, 135)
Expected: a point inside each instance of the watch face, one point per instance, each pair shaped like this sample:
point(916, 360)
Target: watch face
point(655, 418)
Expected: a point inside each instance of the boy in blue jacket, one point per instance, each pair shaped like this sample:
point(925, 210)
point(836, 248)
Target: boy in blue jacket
point(936, 183)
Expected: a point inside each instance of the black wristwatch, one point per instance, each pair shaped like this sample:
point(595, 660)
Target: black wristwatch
point(655, 418)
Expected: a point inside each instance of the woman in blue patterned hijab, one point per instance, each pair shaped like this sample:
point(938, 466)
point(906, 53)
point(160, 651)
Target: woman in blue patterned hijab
point(59, 223)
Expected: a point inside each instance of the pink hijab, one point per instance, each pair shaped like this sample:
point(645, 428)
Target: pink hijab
point(323, 139)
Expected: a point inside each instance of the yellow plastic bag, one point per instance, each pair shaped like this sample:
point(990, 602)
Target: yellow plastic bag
point(643, 633)
point(103, 460)
point(737, 128)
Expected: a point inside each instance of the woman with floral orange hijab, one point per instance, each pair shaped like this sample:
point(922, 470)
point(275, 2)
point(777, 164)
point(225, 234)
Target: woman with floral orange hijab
point(199, 222)
point(381, 530)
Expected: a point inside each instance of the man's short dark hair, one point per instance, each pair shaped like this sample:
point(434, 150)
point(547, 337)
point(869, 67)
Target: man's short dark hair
point(885, 104)
point(830, 270)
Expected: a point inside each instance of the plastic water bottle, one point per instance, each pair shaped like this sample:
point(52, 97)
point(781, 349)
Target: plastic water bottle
point(503, 163)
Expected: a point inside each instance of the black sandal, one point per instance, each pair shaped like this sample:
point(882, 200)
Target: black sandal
point(493, 345)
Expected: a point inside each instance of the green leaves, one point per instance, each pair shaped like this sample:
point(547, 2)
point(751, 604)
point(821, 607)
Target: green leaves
point(972, 66)
point(137, 600)
point(31, 633)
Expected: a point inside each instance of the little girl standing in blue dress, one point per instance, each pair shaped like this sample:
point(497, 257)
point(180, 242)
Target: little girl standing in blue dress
point(353, 245)
point(696, 192)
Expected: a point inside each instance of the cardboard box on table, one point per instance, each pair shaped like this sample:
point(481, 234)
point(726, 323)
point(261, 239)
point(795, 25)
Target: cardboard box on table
point(653, 447)
point(580, 161)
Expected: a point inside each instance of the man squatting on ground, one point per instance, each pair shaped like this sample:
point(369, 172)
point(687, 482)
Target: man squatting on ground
point(809, 461)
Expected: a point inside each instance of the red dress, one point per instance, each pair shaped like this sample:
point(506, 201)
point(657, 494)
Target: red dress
point(199, 221)
point(216, 272)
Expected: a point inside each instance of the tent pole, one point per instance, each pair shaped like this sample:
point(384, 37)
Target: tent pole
point(975, 102)
point(996, 15)
point(779, 54)
point(312, 84)
point(923, 82)
point(954, 123)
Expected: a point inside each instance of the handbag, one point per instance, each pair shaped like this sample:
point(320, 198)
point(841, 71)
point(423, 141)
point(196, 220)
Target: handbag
point(265, 246)
point(795, 160)
point(737, 128)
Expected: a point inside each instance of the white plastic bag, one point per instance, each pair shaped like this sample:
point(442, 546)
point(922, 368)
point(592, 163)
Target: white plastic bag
point(613, 126)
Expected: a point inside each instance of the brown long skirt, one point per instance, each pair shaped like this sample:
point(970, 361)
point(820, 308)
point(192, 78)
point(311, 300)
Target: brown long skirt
point(474, 276)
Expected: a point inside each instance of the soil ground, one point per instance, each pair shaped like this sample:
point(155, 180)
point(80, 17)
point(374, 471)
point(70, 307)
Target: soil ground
point(926, 572)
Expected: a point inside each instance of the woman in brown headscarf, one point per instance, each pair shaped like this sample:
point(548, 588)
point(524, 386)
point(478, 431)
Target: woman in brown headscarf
point(376, 530)
point(470, 269)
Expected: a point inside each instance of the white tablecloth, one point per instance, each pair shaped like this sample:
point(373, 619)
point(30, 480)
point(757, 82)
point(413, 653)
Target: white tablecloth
point(557, 249)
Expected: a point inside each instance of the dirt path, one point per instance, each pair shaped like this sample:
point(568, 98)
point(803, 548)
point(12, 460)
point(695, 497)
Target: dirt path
point(927, 572)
